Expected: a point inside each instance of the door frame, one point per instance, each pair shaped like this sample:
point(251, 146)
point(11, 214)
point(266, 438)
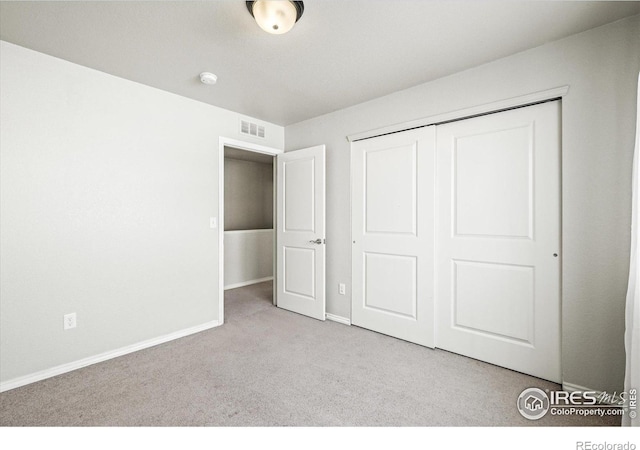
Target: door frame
point(250, 147)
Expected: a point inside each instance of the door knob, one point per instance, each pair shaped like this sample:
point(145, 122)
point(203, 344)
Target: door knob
point(317, 241)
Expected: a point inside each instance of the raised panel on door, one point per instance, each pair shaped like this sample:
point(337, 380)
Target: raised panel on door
point(390, 284)
point(299, 272)
point(392, 231)
point(484, 293)
point(390, 190)
point(493, 183)
point(299, 195)
point(300, 224)
point(499, 239)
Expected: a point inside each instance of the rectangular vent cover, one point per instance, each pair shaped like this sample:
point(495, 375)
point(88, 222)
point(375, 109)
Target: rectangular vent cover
point(251, 129)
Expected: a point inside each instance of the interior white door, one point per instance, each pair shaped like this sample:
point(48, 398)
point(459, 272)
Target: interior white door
point(300, 224)
point(499, 239)
point(393, 182)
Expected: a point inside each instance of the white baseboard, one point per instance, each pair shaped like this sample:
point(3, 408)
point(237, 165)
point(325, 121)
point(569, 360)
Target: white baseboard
point(570, 387)
point(339, 319)
point(64, 368)
point(247, 283)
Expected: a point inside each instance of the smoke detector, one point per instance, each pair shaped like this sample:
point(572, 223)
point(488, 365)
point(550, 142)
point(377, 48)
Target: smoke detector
point(208, 78)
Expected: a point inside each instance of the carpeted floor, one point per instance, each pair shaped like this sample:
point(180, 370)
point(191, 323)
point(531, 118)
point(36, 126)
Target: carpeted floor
point(269, 367)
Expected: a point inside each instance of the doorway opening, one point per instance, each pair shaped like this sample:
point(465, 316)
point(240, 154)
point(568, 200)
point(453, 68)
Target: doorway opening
point(248, 225)
point(298, 265)
point(246, 221)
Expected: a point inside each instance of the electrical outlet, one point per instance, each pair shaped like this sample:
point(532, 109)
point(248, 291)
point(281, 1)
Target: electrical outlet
point(342, 289)
point(69, 321)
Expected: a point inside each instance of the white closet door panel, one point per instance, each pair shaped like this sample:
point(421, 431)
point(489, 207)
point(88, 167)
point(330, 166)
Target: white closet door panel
point(390, 284)
point(493, 183)
point(388, 210)
point(392, 229)
point(499, 239)
point(486, 292)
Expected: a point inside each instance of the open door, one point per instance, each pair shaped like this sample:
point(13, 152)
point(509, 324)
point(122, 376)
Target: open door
point(300, 228)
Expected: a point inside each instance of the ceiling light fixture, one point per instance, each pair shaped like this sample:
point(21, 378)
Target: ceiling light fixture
point(276, 16)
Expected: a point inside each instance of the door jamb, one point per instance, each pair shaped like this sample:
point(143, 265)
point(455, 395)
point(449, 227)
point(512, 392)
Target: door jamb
point(251, 147)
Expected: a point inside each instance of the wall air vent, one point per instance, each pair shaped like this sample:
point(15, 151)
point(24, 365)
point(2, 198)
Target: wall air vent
point(251, 129)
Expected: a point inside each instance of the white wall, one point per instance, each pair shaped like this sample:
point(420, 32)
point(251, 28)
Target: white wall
point(107, 187)
point(248, 256)
point(601, 66)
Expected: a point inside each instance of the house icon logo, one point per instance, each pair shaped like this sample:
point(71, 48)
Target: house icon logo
point(533, 403)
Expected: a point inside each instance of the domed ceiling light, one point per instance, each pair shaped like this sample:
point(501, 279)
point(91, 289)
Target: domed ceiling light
point(276, 16)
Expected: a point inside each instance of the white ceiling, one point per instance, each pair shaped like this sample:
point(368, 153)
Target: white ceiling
point(340, 53)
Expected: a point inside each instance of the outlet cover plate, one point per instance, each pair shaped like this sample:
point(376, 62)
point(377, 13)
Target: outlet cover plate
point(69, 321)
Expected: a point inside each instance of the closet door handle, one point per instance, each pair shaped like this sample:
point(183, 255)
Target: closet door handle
point(317, 241)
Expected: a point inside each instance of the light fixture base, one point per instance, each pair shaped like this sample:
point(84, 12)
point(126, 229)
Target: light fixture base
point(275, 19)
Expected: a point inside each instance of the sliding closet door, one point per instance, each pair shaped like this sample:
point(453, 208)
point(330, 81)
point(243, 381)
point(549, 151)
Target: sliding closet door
point(393, 184)
point(498, 297)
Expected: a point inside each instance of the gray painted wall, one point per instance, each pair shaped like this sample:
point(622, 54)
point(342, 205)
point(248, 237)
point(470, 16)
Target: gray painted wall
point(248, 195)
point(601, 66)
point(106, 190)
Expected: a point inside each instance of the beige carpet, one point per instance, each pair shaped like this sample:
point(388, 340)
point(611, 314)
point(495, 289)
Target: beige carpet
point(269, 367)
